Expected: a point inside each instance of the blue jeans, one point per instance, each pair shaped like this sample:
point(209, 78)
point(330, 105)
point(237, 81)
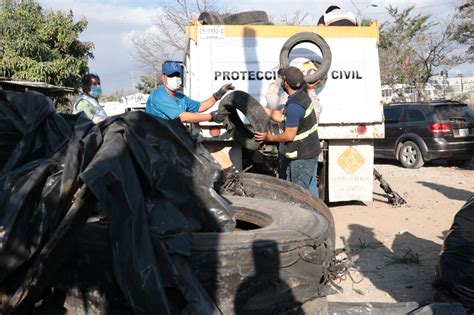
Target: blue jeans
point(301, 172)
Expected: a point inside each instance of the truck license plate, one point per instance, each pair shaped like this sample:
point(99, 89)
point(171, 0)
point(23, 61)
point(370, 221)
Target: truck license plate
point(463, 132)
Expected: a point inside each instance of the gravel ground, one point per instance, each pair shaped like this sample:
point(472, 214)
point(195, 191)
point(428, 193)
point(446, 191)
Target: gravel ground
point(398, 247)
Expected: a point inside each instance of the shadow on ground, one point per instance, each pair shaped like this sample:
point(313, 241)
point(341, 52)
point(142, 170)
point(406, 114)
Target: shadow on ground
point(449, 192)
point(401, 270)
point(428, 164)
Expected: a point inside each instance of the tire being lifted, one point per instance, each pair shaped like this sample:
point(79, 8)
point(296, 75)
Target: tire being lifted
point(252, 109)
point(308, 37)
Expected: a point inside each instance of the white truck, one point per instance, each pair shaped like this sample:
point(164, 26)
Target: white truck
point(352, 114)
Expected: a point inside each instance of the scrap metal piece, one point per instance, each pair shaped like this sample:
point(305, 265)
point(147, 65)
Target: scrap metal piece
point(393, 197)
point(343, 265)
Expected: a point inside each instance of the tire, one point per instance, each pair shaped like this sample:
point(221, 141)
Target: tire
point(295, 242)
point(261, 23)
point(410, 155)
point(253, 111)
point(308, 37)
point(267, 187)
point(245, 18)
point(459, 163)
point(280, 266)
point(211, 18)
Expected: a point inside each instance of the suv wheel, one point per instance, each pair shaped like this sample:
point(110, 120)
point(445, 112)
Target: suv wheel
point(410, 155)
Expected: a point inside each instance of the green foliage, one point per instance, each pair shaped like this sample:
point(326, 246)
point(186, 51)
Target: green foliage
point(464, 28)
point(365, 21)
point(463, 97)
point(37, 45)
point(410, 50)
point(148, 84)
point(116, 96)
point(407, 258)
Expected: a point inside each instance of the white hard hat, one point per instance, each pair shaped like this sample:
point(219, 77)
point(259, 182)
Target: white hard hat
point(305, 65)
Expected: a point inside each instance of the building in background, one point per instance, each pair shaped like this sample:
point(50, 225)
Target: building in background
point(438, 87)
point(132, 102)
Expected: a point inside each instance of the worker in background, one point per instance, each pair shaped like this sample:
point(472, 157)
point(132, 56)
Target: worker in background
point(277, 98)
point(167, 103)
point(335, 16)
point(88, 101)
point(299, 138)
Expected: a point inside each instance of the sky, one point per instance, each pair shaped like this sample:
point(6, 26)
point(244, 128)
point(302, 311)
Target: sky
point(111, 22)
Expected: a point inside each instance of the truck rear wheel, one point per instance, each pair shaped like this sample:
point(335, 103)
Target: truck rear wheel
point(308, 37)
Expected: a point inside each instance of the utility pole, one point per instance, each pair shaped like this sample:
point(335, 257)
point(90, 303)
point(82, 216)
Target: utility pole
point(133, 80)
point(360, 12)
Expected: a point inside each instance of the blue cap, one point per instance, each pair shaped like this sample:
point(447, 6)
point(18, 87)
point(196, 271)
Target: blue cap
point(170, 67)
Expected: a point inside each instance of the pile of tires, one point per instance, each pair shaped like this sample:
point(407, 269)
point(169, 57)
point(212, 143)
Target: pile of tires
point(274, 263)
point(241, 18)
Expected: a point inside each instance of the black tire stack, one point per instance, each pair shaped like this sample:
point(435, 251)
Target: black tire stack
point(240, 18)
point(274, 263)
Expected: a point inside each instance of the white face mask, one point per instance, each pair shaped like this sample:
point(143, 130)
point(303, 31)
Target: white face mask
point(173, 83)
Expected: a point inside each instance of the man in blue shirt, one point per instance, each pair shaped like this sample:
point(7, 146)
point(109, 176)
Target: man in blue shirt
point(165, 102)
point(299, 138)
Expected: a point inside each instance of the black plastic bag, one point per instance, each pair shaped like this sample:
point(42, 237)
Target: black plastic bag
point(133, 164)
point(454, 277)
point(30, 129)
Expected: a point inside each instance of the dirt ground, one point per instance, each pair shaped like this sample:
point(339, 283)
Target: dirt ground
point(398, 247)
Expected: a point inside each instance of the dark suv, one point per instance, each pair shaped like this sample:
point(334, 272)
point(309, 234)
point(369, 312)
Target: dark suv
point(419, 132)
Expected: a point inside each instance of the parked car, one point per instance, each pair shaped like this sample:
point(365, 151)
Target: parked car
point(424, 131)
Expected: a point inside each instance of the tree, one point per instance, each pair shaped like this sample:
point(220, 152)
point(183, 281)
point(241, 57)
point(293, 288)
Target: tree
point(411, 50)
point(296, 18)
point(464, 28)
point(116, 96)
point(147, 84)
point(42, 46)
point(167, 38)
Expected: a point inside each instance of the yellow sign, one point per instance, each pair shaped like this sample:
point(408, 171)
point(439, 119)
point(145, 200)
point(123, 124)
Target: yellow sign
point(350, 160)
